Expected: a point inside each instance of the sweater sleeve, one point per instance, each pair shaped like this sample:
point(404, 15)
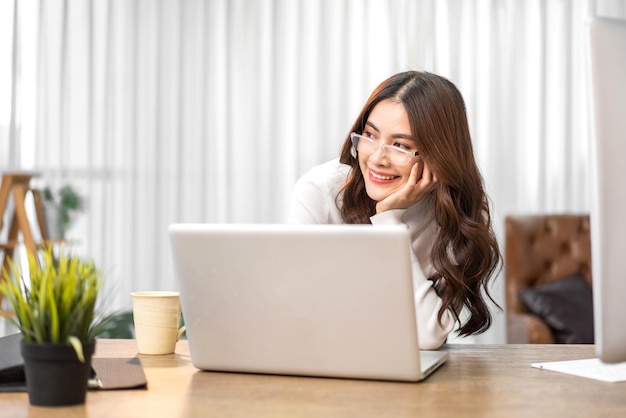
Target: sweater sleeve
point(308, 204)
point(431, 333)
point(314, 197)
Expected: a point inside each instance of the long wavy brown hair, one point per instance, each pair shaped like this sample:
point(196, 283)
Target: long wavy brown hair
point(465, 253)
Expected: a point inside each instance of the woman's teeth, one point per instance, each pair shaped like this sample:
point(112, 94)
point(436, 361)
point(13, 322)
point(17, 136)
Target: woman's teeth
point(380, 177)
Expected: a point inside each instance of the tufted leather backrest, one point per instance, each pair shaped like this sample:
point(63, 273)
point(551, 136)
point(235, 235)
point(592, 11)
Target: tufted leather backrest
point(544, 248)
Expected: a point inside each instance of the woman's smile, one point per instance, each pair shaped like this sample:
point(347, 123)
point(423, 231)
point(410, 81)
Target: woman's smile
point(379, 177)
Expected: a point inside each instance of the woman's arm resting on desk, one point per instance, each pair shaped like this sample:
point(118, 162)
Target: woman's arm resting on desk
point(431, 333)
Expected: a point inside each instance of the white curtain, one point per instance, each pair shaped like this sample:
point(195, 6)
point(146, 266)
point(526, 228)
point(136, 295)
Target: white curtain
point(163, 111)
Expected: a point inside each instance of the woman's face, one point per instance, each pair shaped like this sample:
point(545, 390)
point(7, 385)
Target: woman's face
point(384, 169)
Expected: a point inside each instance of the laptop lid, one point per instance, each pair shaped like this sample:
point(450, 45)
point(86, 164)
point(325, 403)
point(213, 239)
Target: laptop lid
point(315, 300)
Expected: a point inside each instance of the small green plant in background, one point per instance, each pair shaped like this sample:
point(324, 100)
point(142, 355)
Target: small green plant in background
point(67, 201)
point(58, 304)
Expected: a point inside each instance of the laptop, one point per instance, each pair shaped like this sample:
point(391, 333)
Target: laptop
point(306, 300)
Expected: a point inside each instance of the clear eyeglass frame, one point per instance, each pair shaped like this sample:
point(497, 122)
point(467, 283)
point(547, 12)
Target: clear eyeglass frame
point(369, 146)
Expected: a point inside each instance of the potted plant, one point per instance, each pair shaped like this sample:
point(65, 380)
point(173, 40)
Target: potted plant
point(54, 307)
point(60, 209)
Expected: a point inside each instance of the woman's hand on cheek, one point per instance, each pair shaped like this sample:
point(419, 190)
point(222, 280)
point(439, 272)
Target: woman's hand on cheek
point(421, 181)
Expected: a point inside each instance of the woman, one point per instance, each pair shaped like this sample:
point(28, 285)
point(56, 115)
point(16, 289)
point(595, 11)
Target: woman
point(409, 159)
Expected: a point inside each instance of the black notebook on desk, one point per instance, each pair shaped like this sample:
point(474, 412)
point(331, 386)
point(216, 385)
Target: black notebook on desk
point(12, 377)
point(107, 373)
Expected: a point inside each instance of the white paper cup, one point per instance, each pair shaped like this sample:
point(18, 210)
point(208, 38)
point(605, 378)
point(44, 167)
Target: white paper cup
point(156, 316)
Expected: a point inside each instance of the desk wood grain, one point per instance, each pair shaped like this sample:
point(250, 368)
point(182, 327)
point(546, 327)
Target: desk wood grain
point(477, 380)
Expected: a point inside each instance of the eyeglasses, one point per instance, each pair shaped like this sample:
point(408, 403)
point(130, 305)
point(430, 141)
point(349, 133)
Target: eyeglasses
point(368, 146)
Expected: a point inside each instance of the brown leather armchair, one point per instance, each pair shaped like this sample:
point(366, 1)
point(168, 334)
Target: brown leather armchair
point(541, 249)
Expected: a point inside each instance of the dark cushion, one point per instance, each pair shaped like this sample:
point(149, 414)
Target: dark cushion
point(566, 306)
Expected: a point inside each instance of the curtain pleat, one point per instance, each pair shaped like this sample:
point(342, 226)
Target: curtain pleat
point(163, 111)
point(14, 136)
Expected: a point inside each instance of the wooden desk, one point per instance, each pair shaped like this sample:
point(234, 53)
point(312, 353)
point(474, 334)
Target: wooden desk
point(477, 380)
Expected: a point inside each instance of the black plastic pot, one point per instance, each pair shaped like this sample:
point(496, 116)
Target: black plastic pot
point(54, 374)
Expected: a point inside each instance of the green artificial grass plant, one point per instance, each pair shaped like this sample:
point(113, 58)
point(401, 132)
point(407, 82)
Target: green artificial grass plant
point(57, 305)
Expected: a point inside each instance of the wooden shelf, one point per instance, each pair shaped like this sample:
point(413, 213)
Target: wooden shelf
point(17, 185)
point(9, 245)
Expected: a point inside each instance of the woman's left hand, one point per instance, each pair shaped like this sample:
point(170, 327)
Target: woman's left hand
point(421, 181)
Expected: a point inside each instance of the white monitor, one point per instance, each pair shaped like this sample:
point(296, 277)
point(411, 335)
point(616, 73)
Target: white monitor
point(607, 59)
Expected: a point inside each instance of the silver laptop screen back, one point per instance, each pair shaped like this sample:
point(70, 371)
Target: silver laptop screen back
point(319, 300)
